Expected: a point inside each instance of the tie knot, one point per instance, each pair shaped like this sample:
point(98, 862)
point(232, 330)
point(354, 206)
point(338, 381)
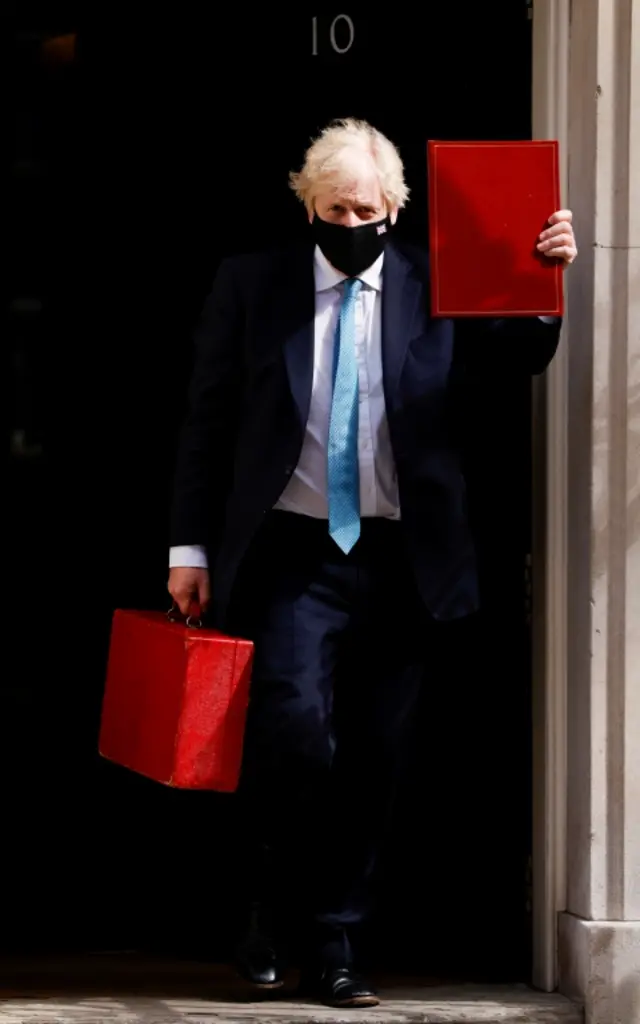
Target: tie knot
point(352, 286)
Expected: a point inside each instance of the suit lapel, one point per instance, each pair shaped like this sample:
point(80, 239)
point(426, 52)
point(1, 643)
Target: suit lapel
point(400, 297)
point(295, 312)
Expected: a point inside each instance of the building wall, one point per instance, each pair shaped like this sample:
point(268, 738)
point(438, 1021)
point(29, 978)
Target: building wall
point(588, 59)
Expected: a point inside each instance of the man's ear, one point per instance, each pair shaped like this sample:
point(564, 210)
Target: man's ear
point(393, 214)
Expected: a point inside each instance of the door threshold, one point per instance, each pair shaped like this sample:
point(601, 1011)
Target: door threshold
point(159, 990)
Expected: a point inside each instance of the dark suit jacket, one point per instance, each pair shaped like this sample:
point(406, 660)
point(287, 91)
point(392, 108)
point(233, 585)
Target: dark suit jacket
point(249, 401)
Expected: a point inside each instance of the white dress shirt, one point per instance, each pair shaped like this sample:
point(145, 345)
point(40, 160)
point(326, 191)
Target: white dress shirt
point(306, 492)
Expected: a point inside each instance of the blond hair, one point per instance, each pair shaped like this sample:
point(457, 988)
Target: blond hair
point(329, 161)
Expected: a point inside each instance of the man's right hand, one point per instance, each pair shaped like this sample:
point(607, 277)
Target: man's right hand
point(190, 589)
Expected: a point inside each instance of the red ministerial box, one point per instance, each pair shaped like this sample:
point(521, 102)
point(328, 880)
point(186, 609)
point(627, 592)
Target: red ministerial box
point(175, 701)
point(488, 203)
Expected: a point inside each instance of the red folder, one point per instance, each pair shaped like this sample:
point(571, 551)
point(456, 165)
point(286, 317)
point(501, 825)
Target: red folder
point(175, 701)
point(488, 203)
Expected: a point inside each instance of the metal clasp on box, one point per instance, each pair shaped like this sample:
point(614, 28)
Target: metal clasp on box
point(192, 621)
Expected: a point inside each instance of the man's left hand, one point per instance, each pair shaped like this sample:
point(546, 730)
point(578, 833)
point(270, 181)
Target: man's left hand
point(558, 241)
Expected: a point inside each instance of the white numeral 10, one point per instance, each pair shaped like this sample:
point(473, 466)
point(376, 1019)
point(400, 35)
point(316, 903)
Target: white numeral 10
point(332, 34)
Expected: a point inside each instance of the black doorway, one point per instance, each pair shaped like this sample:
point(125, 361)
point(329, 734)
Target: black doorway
point(149, 151)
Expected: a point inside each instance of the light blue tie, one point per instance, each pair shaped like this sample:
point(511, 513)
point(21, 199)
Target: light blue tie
point(342, 457)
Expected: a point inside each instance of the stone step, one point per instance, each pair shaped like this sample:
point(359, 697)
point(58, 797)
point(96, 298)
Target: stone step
point(414, 1006)
point(141, 991)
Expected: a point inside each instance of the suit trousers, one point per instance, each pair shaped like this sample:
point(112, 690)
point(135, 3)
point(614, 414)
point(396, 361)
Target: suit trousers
point(339, 654)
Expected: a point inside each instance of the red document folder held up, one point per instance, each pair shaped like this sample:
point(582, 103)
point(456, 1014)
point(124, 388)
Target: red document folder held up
point(175, 701)
point(488, 202)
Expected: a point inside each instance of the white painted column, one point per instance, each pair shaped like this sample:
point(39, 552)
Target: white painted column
point(599, 938)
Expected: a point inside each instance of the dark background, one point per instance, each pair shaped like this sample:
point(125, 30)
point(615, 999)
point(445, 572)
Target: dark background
point(137, 158)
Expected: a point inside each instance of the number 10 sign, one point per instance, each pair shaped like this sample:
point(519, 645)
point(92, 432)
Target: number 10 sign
point(339, 37)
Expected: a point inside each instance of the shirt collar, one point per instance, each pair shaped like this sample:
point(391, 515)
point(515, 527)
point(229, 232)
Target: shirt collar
point(328, 277)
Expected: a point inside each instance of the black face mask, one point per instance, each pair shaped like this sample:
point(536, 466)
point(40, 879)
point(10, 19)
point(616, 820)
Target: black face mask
point(351, 250)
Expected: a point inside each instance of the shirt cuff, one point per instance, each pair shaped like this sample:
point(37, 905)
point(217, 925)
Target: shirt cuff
point(188, 556)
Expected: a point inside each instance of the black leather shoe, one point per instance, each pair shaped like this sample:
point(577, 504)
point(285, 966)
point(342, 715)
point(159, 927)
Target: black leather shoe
point(341, 987)
point(258, 958)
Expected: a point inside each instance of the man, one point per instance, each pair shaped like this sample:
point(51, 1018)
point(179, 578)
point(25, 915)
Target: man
point(320, 510)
